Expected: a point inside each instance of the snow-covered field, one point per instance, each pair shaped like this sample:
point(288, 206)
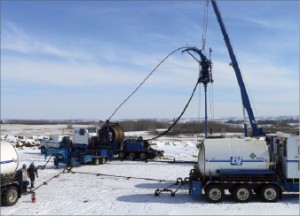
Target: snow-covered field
point(88, 191)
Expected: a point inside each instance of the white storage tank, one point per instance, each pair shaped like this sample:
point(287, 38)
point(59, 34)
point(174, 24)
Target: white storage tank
point(9, 159)
point(232, 153)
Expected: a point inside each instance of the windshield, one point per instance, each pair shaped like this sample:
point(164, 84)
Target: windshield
point(92, 130)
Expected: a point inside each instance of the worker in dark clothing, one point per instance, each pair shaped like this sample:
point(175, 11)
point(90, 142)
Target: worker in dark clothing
point(32, 172)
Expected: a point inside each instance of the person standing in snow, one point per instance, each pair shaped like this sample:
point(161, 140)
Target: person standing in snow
point(32, 172)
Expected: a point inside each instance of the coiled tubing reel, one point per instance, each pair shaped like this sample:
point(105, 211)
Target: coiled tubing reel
point(111, 134)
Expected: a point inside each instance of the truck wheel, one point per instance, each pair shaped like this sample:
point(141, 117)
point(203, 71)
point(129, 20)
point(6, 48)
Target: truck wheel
point(101, 160)
point(143, 156)
point(270, 193)
point(11, 196)
point(43, 150)
point(214, 193)
point(131, 156)
point(96, 161)
point(122, 155)
point(242, 193)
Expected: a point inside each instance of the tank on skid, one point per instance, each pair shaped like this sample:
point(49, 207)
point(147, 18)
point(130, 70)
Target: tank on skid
point(9, 160)
point(232, 154)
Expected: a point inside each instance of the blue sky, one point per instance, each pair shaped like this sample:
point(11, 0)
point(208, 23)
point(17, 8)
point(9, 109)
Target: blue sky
point(81, 59)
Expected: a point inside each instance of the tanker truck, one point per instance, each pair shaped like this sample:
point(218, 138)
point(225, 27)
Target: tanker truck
point(11, 187)
point(246, 167)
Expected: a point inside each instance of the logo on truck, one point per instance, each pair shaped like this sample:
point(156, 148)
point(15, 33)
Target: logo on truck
point(252, 155)
point(236, 161)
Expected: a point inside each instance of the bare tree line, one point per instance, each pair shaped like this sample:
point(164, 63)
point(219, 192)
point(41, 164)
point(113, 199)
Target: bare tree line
point(192, 127)
point(181, 127)
point(46, 122)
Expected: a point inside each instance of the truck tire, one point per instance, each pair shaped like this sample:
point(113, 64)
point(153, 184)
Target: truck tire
point(102, 160)
point(96, 161)
point(143, 156)
point(270, 193)
point(122, 155)
point(131, 156)
point(214, 193)
point(11, 196)
point(242, 193)
point(43, 150)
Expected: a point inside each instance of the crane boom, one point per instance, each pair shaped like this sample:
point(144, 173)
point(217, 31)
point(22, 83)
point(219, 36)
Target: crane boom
point(245, 99)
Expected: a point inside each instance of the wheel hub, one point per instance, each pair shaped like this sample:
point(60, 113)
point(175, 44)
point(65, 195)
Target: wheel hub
point(12, 196)
point(215, 194)
point(243, 194)
point(270, 194)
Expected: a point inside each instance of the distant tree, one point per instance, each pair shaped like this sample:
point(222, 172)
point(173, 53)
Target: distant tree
point(69, 126)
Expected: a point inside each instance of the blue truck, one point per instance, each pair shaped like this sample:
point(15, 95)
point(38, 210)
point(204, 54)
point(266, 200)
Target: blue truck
point(96, 147)
point(73, 155)
point(137, 148)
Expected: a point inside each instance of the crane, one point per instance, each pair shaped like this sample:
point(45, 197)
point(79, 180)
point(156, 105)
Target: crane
point(245, 99)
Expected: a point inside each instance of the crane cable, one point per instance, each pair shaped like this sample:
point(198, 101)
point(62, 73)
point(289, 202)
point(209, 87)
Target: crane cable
point(137, 88)
point(211, 102)
point(249, 94)
point(205, 21)
point(199, 110)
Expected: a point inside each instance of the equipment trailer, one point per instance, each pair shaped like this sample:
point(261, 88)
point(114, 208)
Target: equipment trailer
point(96, 147)
point(273, 172)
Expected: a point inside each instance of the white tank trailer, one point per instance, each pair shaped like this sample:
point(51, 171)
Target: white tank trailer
point(9, 160)
point(11, 187)
point(246, 167)
point(232, 153)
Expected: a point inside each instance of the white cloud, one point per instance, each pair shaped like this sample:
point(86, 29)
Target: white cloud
point(174, 72)
point(65, 74)
point(268, 85)
point(117, 70)
point(121, 67)
point(280, 24)
point(16, 39)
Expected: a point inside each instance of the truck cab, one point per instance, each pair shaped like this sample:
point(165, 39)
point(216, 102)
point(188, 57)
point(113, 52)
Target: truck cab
point(285, 150)
point(83, 135)
point(138, 148)
point(54, 141)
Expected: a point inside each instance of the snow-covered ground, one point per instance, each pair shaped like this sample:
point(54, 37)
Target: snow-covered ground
point(88, 191)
